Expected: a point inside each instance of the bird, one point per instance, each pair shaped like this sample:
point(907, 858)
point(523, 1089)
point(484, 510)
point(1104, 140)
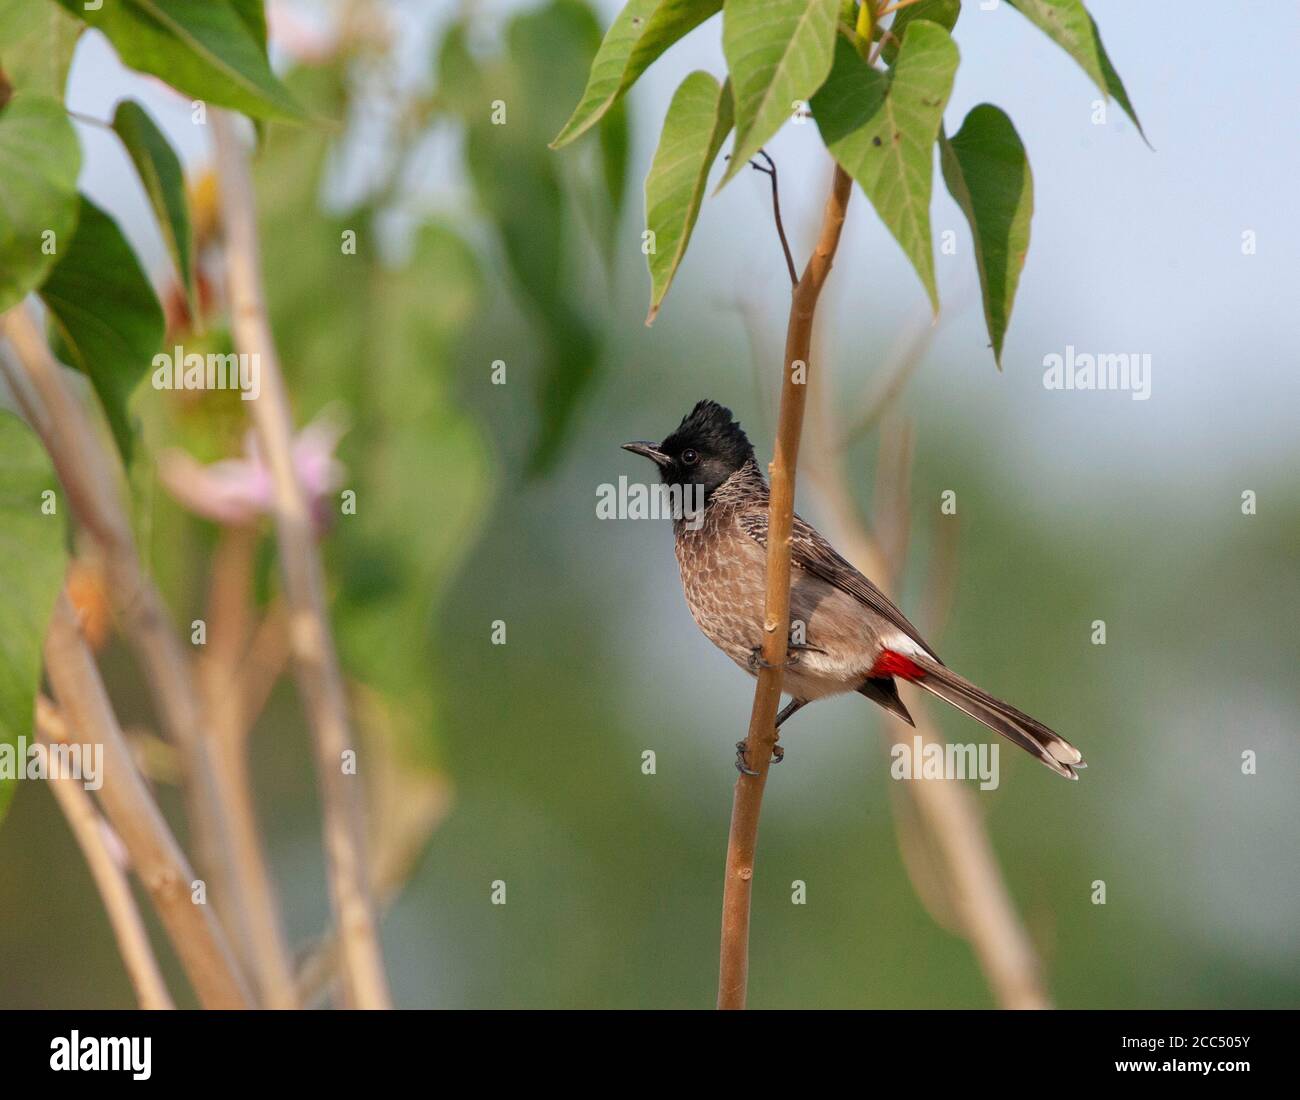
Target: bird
point(853, 638)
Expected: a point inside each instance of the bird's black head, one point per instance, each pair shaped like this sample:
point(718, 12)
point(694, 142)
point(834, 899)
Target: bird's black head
point(706, 449)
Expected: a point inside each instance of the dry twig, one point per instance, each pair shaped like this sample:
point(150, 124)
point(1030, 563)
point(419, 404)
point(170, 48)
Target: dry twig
point(320, 682)
point(89, 830)
point(156, 857)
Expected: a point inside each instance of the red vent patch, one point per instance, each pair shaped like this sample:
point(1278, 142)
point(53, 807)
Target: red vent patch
point(890, 663)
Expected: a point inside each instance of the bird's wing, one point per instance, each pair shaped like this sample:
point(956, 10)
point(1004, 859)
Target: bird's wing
point(811, 552)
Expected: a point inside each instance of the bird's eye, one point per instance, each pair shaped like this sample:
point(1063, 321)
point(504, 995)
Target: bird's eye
point(690, 457)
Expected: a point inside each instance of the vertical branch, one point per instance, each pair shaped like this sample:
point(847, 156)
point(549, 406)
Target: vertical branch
point(265, 953)
point(88, 830)
point(747, 801)
point(86, 471)
point(320, 682)
point(155, 855)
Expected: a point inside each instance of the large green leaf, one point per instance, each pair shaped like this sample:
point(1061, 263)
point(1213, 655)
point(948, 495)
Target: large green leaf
point(164, 183)
point(778, 53)
point(39, 161)
point(642, 31)
point(1068, 24)
point(943, 12)
point(252, 13)
point(520, 187)
point(32, 563)
point(36, 47)
point(208, 49)
point(393, 570)
point(882, 129)
point(615, 146)
point(987, 171)
point(106, 315)
point(699, 119)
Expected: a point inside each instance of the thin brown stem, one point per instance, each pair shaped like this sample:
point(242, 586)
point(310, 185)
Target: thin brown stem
point(88, 472)
point(156, 857)
point(770, 172)
point(747, 801)
point(320, 681)
point(88, 829)
point(265, 953)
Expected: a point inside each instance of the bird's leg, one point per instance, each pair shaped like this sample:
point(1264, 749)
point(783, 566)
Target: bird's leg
point(778, 753)
point(790, 707)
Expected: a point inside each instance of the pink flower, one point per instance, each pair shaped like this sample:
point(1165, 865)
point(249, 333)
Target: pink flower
point(237, 491)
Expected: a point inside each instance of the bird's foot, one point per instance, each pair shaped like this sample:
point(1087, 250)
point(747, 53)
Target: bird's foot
point(793, 650)
point(742, 758)
point(756, 661)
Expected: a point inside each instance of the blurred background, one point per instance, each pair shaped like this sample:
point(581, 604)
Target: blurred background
point(476, 506)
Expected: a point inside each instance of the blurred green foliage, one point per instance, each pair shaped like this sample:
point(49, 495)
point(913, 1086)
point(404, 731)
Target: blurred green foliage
point(614, 876)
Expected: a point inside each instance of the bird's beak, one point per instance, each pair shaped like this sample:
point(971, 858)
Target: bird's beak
point(649, 450)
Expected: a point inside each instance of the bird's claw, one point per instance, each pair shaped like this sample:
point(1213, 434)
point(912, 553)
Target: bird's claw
point(793, 650)
point(742, 757)
point(742, 763)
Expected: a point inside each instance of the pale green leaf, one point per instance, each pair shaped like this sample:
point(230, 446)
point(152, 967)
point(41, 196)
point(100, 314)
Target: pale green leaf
point(39, 161)
point(943, 12)
point(987, 171)
point(642, 31)
point(108, 320)
point(208, 49)
point(36, 47)
point(160, 171)
point(698, 121)
point(1068, 24)
point(882, 129)
point(778, 53)
point(32, 562)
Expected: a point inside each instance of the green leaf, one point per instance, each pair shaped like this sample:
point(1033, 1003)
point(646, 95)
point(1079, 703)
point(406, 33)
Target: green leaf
point(1068, 24)
point(987, 172)
point(106, 314)
point(778, 53)
point(208, 49)
point(39, 161)
point(520, 187)
point(698, 121)
point(882, 129)
point(164, 183)
point(36, 48)
point(615, 141)
point(943, 12)
point(32, 562)
point(252, 13)
point(642, 31)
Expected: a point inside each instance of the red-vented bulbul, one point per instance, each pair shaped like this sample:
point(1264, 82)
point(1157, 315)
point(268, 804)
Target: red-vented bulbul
point(854, 638)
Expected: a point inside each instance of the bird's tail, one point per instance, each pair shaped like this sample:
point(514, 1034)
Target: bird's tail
point(1016, 726)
